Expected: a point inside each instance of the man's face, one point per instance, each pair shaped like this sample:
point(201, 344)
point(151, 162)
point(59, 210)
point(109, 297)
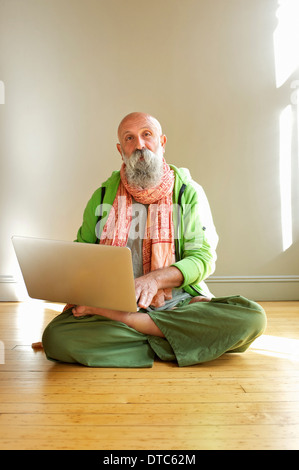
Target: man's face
point(139, 132)
point(142, 146)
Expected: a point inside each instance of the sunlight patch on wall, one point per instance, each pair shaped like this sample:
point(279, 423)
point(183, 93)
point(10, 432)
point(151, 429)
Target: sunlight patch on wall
point(286, 37)
point(285, 172)
point(297, 103)
point(286, 46)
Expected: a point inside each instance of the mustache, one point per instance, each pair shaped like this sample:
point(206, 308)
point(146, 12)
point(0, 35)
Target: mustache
point(141, 152)
point(145, 153)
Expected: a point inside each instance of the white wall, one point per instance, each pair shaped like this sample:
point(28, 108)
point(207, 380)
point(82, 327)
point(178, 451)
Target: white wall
point(73, 68)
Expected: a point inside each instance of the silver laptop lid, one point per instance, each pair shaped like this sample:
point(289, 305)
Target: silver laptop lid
point(77, 273)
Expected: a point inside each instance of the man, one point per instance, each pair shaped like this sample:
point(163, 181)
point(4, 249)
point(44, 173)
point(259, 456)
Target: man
point(173, 250)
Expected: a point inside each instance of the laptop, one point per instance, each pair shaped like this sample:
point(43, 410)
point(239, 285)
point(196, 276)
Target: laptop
point(77, 273)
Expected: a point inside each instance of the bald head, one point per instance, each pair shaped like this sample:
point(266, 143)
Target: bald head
point(138, 119)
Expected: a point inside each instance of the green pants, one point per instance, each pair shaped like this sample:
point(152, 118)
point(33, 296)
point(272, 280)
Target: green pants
point(194, 333)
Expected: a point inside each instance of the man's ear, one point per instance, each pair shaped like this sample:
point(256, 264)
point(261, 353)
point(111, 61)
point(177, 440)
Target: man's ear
point(163, 140)
point(119, 149)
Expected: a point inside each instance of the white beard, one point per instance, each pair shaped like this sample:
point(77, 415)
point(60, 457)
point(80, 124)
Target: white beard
point(145, 173)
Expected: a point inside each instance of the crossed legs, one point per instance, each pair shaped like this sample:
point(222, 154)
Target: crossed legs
point(139, 321)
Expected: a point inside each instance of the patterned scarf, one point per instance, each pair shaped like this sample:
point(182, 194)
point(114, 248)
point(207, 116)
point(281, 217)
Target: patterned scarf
point(158, 244)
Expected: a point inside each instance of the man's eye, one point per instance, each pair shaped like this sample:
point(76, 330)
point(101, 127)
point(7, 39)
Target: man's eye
point(129, 137)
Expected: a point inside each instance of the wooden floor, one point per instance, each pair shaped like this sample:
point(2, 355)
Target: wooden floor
point(240, 401)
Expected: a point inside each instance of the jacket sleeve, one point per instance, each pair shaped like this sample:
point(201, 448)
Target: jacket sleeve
point(196, 238)
point(87, 231)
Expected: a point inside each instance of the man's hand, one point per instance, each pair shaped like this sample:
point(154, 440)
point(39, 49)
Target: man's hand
point(147, 286)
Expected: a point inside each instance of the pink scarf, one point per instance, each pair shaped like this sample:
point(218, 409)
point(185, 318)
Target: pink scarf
point(158, 243)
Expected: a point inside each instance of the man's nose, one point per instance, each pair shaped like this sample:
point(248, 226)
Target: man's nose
point(140, 143)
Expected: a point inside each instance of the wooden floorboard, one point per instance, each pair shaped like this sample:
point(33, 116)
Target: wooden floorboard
point(246, 401)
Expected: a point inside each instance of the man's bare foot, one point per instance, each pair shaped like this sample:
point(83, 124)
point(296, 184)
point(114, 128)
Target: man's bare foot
point(199, 298)
point(81, 310)
point(138, 321)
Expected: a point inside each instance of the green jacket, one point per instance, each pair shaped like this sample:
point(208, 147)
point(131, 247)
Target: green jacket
point(195, 235)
